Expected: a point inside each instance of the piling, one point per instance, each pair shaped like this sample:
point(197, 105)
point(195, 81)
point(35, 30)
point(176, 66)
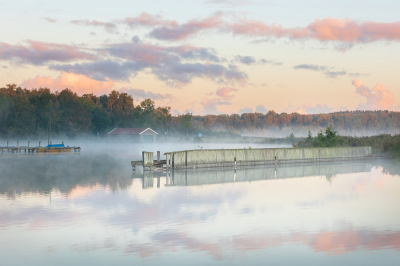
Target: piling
point(158, 156)
point(40, 143)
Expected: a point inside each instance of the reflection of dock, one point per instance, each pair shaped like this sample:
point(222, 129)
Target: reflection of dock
point(199, 177)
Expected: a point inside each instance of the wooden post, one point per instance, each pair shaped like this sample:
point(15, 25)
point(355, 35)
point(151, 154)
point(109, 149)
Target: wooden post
point(17, 144)
point(40, 143)
point(29, 144)
point(158, 156)
point(62, 143)
point(51, 142)
point(7, 143)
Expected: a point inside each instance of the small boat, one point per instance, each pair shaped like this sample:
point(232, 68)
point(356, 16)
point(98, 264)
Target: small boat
point(54, 148)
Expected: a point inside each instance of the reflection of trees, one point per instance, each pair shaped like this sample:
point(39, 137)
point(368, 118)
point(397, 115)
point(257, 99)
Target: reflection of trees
point(42, 173)
point(391, 167)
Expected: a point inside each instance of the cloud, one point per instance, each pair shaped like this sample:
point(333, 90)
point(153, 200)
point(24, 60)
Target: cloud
point(176, 32)
point(327, 29)
point(328, 73)
point(247, 60)
point(378, 97)
point(210, 105)
point(39, 53)
point(77, 83)
point(108, 26)
point(310, 67)
point(50, 20)
point(246, 110)
point(167, 63)
point(224, 92)
point(261, 109)
point(185, 73)
point(102, 70)
point(317, 109)
point(146, 19)
point(138, 94)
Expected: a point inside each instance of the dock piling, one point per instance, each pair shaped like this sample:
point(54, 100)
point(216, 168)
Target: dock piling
point(158, 156)
point(40, 143)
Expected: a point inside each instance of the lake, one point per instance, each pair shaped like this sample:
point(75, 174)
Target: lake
point(91, 209)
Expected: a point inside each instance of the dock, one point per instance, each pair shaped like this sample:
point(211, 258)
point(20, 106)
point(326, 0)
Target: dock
point(37, 149)
point(193, 159)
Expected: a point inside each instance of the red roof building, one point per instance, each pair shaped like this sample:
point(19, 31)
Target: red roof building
point(138, 134)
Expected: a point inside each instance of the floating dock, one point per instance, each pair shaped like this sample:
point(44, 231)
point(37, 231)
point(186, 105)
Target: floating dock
point(192, 159)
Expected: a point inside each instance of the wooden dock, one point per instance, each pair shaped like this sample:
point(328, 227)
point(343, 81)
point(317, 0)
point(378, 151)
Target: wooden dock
point(37, 149)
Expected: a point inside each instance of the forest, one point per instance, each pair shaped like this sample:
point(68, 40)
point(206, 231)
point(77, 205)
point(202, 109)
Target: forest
point(26, 113)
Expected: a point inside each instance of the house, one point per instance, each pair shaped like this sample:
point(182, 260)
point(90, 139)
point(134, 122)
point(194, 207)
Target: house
point(136, 134)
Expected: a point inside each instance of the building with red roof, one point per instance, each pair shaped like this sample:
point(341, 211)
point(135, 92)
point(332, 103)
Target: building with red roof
point(136, 134)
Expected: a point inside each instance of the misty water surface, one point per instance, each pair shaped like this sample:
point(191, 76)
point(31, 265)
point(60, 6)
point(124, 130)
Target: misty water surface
point(90, 209)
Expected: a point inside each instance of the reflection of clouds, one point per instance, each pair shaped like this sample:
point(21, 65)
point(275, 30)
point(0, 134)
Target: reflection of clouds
point(222, 220)
point(82, 191)
point(378, 179)
point(328, 242)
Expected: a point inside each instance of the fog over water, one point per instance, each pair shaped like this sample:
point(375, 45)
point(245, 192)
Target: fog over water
point(64, 209)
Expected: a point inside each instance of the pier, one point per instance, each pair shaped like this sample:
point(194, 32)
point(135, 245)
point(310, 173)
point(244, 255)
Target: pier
point(192, 159)
point(36, 149)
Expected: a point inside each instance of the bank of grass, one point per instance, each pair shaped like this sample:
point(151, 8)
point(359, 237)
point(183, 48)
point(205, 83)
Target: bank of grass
point(383, 143)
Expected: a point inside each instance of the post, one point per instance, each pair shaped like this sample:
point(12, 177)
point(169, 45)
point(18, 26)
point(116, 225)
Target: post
point(158, 156)
point(62, 143)
point(40, 143)
point(29, 144)
point(17, 144)
point(51, 142)
point(48, 140)
point(7, 143)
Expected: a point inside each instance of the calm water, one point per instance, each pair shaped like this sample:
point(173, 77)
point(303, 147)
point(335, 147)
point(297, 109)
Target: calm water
point(91, 210)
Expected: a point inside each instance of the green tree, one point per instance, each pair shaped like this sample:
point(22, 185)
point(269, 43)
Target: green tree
point(186, 122)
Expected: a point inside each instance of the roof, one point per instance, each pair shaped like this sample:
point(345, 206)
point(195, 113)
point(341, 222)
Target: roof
point(129, 131)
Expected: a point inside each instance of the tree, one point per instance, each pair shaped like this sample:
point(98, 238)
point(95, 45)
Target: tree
point(163, 115)
point(327, 138)
point(186, 122)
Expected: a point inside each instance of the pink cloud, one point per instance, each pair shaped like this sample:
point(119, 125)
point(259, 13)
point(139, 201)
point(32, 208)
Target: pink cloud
point(183, 31)
point(210, 105)
point(307, 108)
point(108, 26)
point(378, 97)
point(224, 92)
point(327, 29)
point(38, 53)
point(146, 19)
point(75, 82)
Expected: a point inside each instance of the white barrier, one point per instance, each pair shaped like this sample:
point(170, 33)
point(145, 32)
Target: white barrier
point(218, 158)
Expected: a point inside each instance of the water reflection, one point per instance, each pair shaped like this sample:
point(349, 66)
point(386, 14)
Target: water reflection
point(204, 176)
point(99, 210)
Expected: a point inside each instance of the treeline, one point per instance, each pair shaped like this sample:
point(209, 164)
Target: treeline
point(26, 113)
point(360, 123)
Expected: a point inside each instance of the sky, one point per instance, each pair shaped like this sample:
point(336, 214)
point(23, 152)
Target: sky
point(209, 56)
